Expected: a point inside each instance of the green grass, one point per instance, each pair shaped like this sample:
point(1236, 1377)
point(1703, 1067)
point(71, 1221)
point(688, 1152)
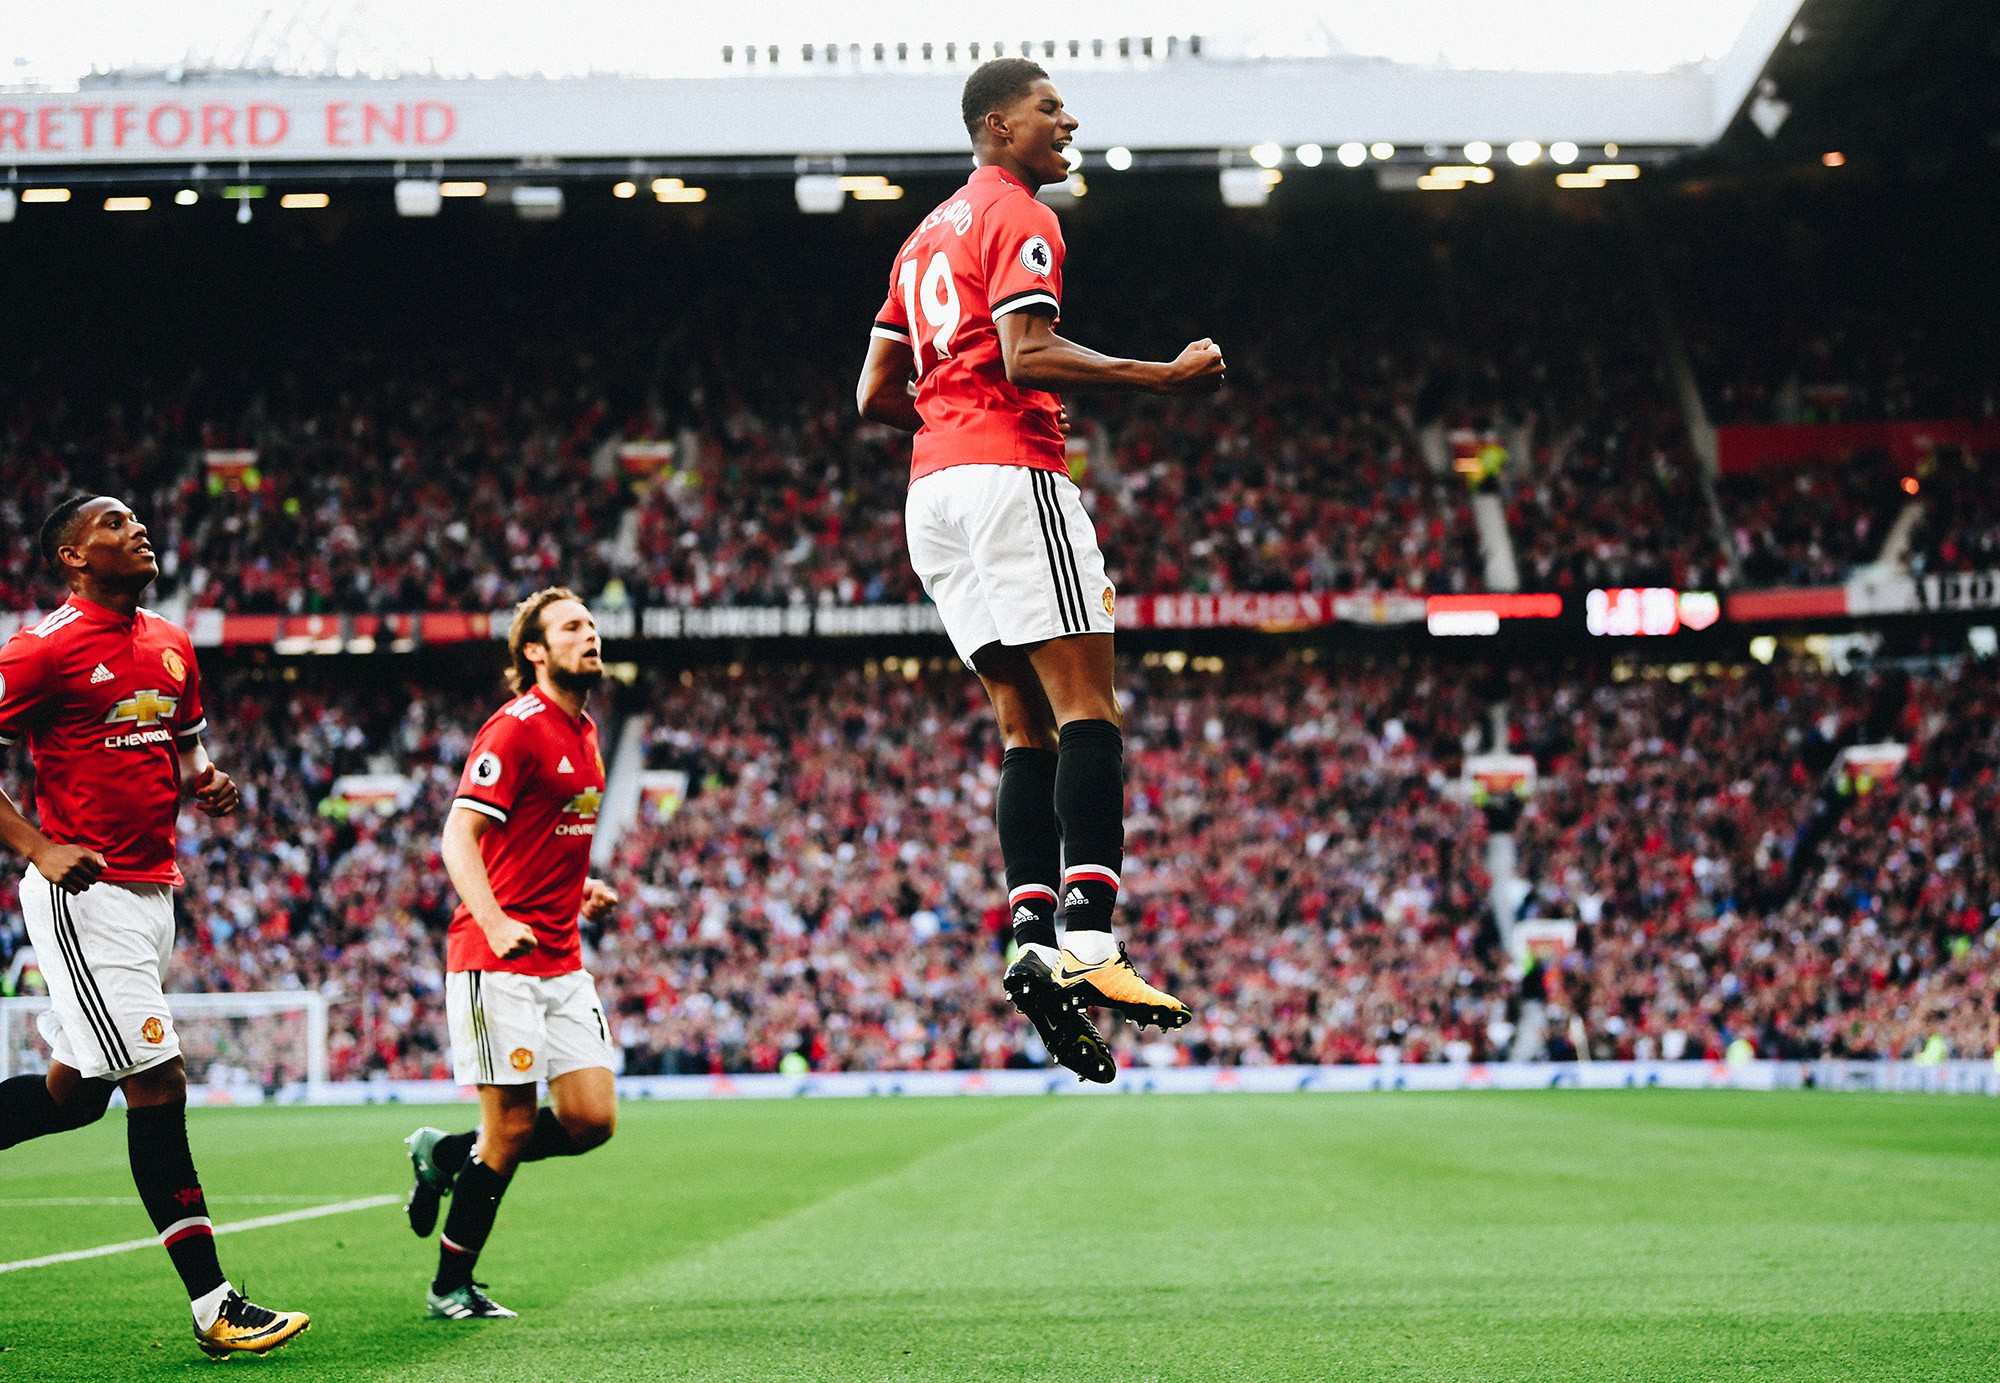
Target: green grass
point(1547, 1236)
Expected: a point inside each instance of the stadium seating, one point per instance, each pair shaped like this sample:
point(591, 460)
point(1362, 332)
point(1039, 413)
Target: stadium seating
point(1299, 867)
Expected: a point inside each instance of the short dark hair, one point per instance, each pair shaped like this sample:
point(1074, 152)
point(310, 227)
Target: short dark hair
point(59, 528)
point(529, 627)
point(992, 85)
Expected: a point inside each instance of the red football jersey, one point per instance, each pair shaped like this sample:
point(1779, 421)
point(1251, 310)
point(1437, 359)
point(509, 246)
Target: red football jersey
point(989, 250)
point(105, 703)
point(539, 775)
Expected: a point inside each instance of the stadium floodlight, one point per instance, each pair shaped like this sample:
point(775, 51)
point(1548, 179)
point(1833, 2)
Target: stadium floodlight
point(1832, 158)
point(1352, 154)
point(1462, 172)
point(1479, 151)
point(625, 190)
point(1523, 152)
point(187, 196)
point(1563, 152)
point(1309, 155)
point(1382, 149)
point(33, 195)
point(1269, 154)
point(1248, 187)
point(8, 203)
point(819, 194)
point(1118, 158)
point(1579, 180)
point(417, 197)
point(461, 189)
point(890, 192)
point(128, 203)
point(305, 201)
point(1615, 172)
point(674, 190)
point(537, 203)
point(1073, 156)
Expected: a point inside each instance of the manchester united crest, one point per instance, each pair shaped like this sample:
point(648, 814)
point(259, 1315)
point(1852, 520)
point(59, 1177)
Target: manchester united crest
point(1110, 601)
point(520, 1058)
point(175, 665)
point(153, 1030)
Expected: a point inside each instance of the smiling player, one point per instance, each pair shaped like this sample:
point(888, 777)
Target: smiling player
point(1000, 538)
point(109, 699)
point(521, 1007)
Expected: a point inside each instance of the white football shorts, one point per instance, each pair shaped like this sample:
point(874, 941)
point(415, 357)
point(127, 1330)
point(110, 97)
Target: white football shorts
point(1009, 555)
point(509, 1029)
point(104, 953)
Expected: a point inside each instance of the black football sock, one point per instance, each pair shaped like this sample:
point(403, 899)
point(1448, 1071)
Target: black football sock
point(28, 1110)
point(163, 1170)
point(550, 1139)
point(451, 1151)
point(475, 1200)
point(1030, 842)
point(1090, 801)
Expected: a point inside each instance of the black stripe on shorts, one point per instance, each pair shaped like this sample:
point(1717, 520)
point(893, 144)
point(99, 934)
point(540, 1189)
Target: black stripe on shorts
point(1062, 557)
point(89, 996)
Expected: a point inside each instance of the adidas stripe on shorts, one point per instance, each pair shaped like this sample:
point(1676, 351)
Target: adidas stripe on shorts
point(104, 953)
point(509, 1029)
point(1009, 555)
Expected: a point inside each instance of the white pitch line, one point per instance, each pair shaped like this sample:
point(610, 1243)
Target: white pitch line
point(14, 1202)
point(261, 1222)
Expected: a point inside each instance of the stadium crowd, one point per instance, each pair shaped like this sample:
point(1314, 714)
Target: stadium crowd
point(1300, 868)
point(634, 457)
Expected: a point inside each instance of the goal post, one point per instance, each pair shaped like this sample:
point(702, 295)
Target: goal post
point(275, 1037)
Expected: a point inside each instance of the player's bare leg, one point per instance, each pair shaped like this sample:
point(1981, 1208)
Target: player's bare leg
point(1076, 675)
point(1031, 849)
point(582, 1115)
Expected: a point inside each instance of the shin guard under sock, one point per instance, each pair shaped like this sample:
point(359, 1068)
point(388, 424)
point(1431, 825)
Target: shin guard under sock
point(1030, 842)
point(163, 1170)
point(1090, 803)
point(475, 1201)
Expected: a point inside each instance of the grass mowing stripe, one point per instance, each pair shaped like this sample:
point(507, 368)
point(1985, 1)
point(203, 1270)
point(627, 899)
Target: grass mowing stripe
point(261, 1222)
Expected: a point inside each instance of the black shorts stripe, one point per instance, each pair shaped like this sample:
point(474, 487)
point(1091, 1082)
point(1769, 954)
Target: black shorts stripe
point(481, 1035)
point(1065, 552)
point(1068, 550)
point(1043, 517)
point(89, 996)
point(95, 1011)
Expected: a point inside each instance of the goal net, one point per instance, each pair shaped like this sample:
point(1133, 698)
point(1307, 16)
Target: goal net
point(267, 1040)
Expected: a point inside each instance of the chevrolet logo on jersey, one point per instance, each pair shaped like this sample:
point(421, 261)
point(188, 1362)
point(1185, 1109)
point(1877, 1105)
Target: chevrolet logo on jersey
point(584, 804)
point(144, 710)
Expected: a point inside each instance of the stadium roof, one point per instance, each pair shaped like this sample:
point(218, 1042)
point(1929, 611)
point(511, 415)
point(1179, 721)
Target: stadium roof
point(780, 77)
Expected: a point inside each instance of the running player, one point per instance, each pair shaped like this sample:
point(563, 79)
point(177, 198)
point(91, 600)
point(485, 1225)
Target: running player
point(1000, 538)
point(521, 1007)
point(108, 697)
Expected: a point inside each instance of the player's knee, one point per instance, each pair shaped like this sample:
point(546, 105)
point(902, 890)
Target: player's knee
point(163, 1084)
point(592, 1129)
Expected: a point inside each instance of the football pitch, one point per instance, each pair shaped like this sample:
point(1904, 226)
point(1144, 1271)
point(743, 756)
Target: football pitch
point(1544, 1236)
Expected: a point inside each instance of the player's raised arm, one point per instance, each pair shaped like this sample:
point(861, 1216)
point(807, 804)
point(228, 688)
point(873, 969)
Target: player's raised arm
point(1037, 358)
point(885, 393)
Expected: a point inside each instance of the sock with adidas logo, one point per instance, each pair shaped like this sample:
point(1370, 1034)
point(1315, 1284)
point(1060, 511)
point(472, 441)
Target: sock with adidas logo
point(1030, 843)
point(1090, 803)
